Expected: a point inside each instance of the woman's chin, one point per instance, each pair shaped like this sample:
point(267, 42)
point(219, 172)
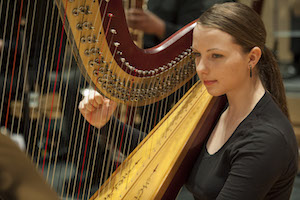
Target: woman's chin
point(214, 93)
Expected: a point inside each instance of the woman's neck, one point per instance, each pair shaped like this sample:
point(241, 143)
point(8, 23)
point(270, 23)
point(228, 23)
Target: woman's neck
point(242, 101)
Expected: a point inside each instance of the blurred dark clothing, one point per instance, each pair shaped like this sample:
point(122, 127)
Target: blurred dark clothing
point(176, 14)
point(295, 40)
point(19, 178)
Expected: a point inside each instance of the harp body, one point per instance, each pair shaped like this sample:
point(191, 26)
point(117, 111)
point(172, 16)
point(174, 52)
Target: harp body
point(146, 173)
point(110, 61)
point(149, 170)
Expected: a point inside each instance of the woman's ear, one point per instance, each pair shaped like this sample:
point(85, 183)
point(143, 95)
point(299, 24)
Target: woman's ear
point(254, 56)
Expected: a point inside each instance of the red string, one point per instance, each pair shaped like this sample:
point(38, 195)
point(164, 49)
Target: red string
point(156, 113)
point(123, 129)
point(85, 149)
point(14, 64)
point(57, 67)
point(89, 127)
point(110, 15)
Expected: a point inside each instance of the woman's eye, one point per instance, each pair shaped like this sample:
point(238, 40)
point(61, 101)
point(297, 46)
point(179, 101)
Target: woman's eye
point(197, 60)
point(196, 54)
point(197, 57)
point(217, 55)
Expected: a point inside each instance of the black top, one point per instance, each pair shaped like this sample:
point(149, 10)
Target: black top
point(259, 160)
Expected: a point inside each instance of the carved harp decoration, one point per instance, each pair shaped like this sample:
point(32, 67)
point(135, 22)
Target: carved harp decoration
point(116, 66)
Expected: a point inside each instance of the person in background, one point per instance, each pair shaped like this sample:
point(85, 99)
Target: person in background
point(295, 40)
point(163, 18)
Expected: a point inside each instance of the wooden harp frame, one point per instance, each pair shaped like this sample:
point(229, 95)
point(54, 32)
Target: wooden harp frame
point(152, 66)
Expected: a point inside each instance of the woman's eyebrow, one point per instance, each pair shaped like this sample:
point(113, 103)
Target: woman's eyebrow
point(213, 49)
point(194, 50)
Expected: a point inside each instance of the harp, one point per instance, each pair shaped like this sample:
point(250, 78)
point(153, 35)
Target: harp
point(41, 106)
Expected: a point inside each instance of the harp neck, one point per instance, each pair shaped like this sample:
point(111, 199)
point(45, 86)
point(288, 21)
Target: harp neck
point(113, 62)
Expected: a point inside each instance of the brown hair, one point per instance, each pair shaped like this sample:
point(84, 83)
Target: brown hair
point(248, 30)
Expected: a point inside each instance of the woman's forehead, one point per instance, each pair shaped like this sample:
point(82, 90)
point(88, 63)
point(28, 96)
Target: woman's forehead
point(211, 37)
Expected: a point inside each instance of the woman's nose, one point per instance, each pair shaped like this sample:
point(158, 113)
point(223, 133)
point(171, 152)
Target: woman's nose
point(201, 67)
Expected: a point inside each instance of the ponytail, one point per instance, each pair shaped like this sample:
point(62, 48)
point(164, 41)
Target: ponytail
point(270, 76)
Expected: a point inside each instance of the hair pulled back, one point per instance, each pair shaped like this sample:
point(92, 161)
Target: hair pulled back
point(248, 30)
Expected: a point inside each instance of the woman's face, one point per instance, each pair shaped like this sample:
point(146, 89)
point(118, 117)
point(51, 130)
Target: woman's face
point(220, 63)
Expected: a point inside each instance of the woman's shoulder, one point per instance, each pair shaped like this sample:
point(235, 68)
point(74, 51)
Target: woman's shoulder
point(266, 128)
point(266, 142)
point(266, 121)
point(271, 122)
point(272, 130)
point(267, 132)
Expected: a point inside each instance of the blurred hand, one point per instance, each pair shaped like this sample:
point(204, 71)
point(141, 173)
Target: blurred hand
point(146, 21)
point(97, 109)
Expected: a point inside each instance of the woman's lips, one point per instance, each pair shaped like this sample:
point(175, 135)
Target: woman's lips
point(209, 82)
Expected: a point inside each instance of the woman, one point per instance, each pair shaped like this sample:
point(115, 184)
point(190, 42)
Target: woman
point(252, 151)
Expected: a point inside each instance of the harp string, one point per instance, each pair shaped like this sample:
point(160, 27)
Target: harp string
point(79, 156)
point(63, 114)
point(57, 110)
point(110, 16)
point(85, 148)
point(98, 132)
point(70, 145)
point(3, 41)
point(123, 128)
point(27, 64)
point(9, 49)
point(31, 124)
point(46, 95)
point(80, 147)
point(113, 146)
point(1, 7)
point(71, 136)
point(108, 145)
point(115, 140)
point(86, 139)
point(14, 63)
point(133, 111)
point(149, 86)
point(22, 37)
point(57, 67)
point(93, 163)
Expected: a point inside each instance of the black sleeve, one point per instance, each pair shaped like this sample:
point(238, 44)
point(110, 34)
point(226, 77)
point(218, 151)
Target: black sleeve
point(189, 10)
point(125, 135)
point(257, 163)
